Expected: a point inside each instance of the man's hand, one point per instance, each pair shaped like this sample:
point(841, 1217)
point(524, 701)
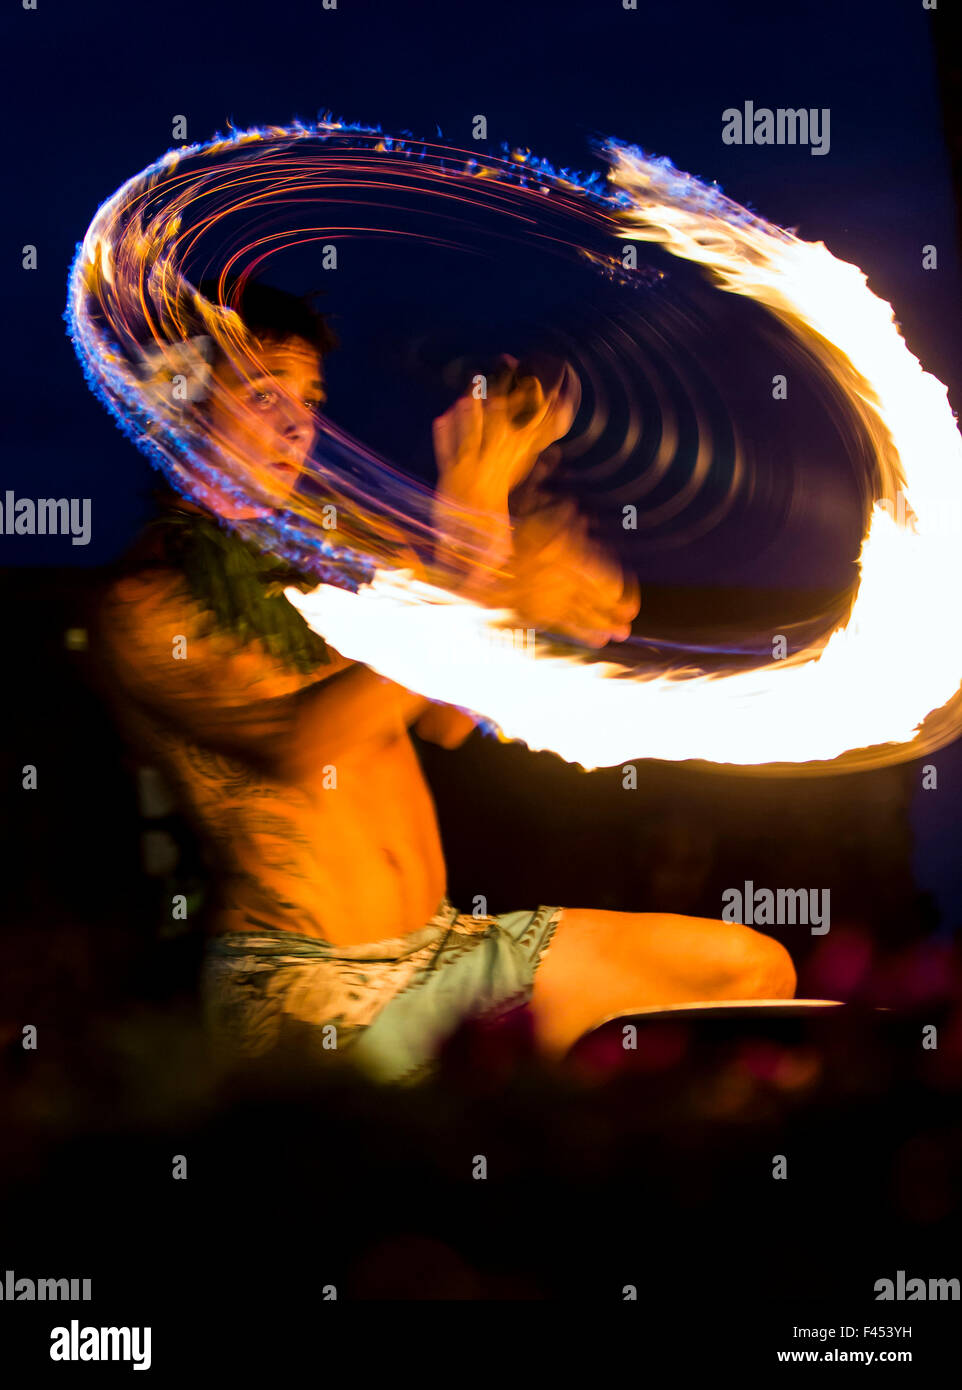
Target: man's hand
point(486, 447)
point(554, 577)
point(561, 581)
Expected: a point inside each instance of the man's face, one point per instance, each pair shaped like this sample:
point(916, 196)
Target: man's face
point(268, 421)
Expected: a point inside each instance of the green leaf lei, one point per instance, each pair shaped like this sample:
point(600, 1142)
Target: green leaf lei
point(239, 584)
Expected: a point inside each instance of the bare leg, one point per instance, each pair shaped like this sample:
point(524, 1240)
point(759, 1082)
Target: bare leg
point(603, 963)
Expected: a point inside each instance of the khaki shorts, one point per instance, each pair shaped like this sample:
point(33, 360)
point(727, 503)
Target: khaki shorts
point(389, 1004)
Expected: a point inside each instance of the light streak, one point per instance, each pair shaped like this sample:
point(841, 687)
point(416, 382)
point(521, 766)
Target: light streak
point(863, 694)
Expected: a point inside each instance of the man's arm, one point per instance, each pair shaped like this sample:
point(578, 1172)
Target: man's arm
point(352, 710)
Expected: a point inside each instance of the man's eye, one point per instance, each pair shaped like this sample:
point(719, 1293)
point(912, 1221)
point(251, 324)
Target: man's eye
point(264, 399)
point(316, 404)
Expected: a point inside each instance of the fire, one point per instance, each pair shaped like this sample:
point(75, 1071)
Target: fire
point(898, 657)
point(884, 686)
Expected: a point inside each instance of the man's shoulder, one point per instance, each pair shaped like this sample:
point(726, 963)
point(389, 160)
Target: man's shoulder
point(153, 572)
point(148, 614)
point(142, 612)
point(144, 595)
point(140, 585)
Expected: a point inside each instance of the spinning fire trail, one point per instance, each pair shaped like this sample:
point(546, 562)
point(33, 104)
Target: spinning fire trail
point(882, 687)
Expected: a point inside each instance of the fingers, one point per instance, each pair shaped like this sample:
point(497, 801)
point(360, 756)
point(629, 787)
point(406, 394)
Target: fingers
point(570, 390)
point(602, 625)
point(523, 401)
point(594, 614)
point(499, 379)
point(548, 413)
point(442, 437)
point(565, 404)
point(567, 584)
point(560, 601)
point(500, 438)
point(571, 615)
point(457, 434)
point(527, 403)
point(630, 603)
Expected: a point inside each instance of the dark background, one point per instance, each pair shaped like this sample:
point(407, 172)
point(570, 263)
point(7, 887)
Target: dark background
point(92, 91)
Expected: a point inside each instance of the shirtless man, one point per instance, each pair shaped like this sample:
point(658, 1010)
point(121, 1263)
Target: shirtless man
point(332, 925)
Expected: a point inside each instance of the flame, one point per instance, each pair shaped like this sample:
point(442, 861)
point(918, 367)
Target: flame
point(866, 694)
point(876, 679)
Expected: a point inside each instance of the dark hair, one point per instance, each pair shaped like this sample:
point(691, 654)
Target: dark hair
point(273, 314)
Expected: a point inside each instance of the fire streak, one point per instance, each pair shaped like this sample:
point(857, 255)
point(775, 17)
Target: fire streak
point(863, 695)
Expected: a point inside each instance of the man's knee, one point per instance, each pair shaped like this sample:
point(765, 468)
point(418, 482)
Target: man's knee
point(767, 971)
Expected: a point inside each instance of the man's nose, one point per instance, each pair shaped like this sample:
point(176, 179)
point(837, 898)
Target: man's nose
point(298, 430)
